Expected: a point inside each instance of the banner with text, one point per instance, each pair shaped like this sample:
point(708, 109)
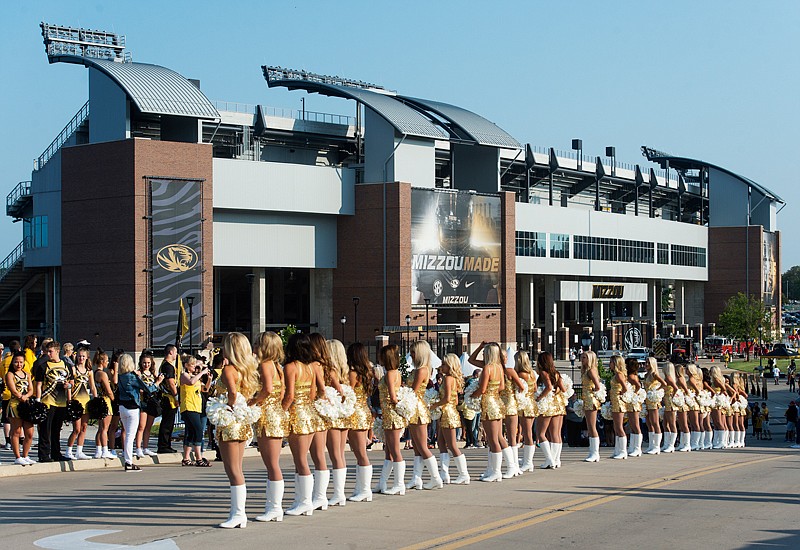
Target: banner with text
point(456, 249)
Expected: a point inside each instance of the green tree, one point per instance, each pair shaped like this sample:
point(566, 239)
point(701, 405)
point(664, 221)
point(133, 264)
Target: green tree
point(742, 319)
point(791, 283)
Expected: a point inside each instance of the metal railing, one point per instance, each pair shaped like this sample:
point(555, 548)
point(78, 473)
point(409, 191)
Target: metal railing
point(62, 137)
point(280, 112)
point(22, 189)
point(11, 260)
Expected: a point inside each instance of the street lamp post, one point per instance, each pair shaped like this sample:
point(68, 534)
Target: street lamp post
point(250, 278)
point(190, 301)
point(408, 332)
point(356, 299)
point(343, 320)
point(760, 356)
point(427, 325)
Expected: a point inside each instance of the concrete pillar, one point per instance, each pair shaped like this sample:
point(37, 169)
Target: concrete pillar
point(48, 303)
point(258, 301)
point(321, 306)
point(654, 297)
point(551, 313)
point(562, 344)
point(380, 341)
point(23, 313)
point(680, 303)
point(597, 326)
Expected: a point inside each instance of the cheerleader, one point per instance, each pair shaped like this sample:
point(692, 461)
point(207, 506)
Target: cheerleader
point(559, 401)
point(705, 412)
point(451, 386)
point(239, 375)
point(418, 423)
point(695, 384)
point(147, 371)
point(728, 413)
point(545, 395)
point(619, 387)
point(590, 385)
point(19, 384)
point(511, 382)
point(112, 370)
point(739, 427)
point(273, 425)
point(682, 412)
point(393, 423)
point(670, 425)
point(102, 383)
point(654, 384)
point(335, 374)
point(717, 409)
point(330, 434)
point(490, 383)
point(360, 376)
point(522, 364)
point(298, 399)
point(634, 408)
point(83, 389)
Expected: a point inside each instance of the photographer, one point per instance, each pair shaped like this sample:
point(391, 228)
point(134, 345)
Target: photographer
point(191, 411)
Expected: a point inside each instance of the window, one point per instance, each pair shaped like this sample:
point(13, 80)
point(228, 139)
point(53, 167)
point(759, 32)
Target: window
point(559, 245)
point(595, 248)
point(663, 253)
point(35, 232)
point(529, 243)
point(640, 252)
point(689, 256)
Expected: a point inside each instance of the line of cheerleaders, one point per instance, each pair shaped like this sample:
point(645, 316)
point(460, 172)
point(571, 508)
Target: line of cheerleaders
point(285, 382)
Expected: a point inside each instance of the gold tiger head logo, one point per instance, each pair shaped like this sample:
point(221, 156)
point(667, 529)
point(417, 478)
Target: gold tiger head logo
point(177, 258)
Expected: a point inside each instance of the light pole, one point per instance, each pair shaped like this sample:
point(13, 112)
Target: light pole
point(190, 301)
point(356, 299)
point(343, 320)
point(408, 332)
point(427, 326)
point(250, 278)
point(760, 357)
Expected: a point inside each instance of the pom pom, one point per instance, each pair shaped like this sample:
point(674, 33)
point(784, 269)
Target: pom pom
point(679, 399)
point(705, 399)
point(98, 408)
point(641, 396)
point(244, 413)
point(605, 411)
point(577, 408)
point(472, 403)
point(377, 427)
point(661, 413)
point(218, 411)
point(655, 396)
point(74, 410)
point(151, 403)
point(568, 390)
point(628, 397)
point(436, 413)
point(406, 402)
point(643, 413)
point(431, 396)
point(601, 394)
point(327, 404)
point(743, 402)
point(691, 399)
point(523, 398)
point(544, 403)
point(32, 411)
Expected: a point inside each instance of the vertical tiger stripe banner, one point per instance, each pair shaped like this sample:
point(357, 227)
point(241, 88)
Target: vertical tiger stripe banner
point(176, 208)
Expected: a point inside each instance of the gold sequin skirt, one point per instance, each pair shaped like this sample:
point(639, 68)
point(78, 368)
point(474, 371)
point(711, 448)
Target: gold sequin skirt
point(274, 421)
point(304, 419)
point(618, 405)
point(235, 432)
point(361, 419)
point(509, 400)
point(422, 415)
point(492, 407)
point(450, 417)
point(392, 420)
point(695, 405)
point(532, 410)
point(590, 402)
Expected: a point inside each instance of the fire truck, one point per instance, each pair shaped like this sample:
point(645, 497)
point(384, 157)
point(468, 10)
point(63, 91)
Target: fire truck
point(665, 348)
point(717, 346)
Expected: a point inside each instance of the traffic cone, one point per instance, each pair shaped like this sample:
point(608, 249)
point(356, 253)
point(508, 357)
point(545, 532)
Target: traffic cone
point(712, 358)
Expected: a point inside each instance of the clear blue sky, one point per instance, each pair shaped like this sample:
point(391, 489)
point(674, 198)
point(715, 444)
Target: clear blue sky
point(715, 80)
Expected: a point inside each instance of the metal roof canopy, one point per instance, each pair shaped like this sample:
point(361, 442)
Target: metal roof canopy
point(683, 163)
point(479, 129)
point(152, 88)
point(403, 118)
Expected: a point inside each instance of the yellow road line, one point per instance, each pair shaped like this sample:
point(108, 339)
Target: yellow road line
point(522, 521)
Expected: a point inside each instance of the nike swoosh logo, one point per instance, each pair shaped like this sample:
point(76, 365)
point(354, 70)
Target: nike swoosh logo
point(467, 285)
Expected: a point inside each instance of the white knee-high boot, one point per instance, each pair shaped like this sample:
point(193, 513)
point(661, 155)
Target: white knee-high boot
point(303, 489)
point(433, 471)
point(362, 491)
point(508, 458)
point(594, 450)
point(527, 458)
point(463, 473)
point(237, 517)
point(620, 448)
point(547, 449)
point(445, 473)
point(416, 475)
point(685, 445)
point(636, 445)
point(339, 478)
point(655, 444)
point(669, 442)
point(386, 471)
point(273, 511)
point(320, 493)
point(517, 471)
point(555, 448)
point(398, 487)
point(495, 465)
point(717, 440)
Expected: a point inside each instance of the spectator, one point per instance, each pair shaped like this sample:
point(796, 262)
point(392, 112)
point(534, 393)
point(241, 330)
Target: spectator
point(30, 352)
point(765, 420)
point(67, 355)
point(169, 402)
point(191, 404)
point(791, 422)
point(776, 374)
point(757, 421)
point(790, 380)
point(130, 389)
point(572, 357)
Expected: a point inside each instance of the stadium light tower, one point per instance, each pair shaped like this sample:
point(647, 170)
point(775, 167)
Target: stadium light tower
point(275, 74)
point(61, 41)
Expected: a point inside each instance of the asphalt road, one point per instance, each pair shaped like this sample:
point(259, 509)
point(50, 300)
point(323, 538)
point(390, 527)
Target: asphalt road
point(743, 498)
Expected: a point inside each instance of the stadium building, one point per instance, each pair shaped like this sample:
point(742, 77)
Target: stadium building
point(413, 217)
